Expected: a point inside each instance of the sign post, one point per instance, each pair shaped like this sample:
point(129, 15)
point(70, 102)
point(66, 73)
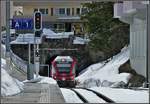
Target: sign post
point(37, 32)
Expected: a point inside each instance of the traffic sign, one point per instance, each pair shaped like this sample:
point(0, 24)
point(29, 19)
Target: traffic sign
point(22, 23)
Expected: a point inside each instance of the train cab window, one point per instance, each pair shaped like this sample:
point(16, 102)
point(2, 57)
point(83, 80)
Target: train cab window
point(64, 67)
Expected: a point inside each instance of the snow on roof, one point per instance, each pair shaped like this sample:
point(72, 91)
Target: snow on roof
point(69, 17)
point(59, 58)
point(52, 35)
point(79, 40)
point(106, 72)
point(48, 32)
point(26, 39)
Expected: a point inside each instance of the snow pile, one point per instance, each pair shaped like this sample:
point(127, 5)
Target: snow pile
point(102, 74)
point(9, 85)
point(41, 79)
point(47, 80)
point(70, 96)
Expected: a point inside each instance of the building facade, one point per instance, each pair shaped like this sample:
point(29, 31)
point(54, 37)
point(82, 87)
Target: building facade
point(59, 15)
point(134, 13)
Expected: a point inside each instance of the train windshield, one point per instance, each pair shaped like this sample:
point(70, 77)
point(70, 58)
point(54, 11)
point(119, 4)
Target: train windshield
point(64, 67)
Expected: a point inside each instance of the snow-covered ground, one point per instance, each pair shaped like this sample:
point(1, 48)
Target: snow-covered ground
point(118, 95)
point(124, 95)
point(9, 85)
point(107, 75)
point(103, 77)
point(92, 98)
point(70, 96)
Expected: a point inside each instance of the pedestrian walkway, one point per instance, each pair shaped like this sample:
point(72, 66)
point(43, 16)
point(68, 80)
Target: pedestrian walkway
point(36, 93)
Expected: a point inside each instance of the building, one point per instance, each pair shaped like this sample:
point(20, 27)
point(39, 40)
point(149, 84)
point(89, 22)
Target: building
point(59, 15)
point(134, 13)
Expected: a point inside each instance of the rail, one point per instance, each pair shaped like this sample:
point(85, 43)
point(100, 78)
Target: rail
point(95, 92)
point(80, 96)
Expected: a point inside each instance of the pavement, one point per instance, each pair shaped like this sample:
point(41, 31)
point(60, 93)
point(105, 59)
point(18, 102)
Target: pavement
point(37, 93)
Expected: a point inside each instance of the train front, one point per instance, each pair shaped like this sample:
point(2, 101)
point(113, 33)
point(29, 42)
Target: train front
point(63, 70)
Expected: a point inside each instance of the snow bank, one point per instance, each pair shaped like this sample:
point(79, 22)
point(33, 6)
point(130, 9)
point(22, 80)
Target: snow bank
point(102, 74)
point(9, 85)
point(47, 80)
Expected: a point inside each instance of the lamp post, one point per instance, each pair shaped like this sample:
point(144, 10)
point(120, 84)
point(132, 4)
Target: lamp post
point(7, 27)
point(148, 44)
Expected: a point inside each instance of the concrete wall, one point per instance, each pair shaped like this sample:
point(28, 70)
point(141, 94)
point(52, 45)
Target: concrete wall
point(138, 45)
point(134, 13)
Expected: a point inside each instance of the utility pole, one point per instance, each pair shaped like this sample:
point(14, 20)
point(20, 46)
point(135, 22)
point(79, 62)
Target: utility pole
point(148, 44)
point(8, 33)
point(7, 27)
point(29, 70)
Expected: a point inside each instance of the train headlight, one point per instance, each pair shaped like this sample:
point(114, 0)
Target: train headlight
point(63, 79)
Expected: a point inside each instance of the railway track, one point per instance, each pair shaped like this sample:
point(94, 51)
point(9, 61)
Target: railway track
point(93, 96)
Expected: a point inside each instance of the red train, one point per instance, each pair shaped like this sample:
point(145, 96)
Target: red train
point(63, 70)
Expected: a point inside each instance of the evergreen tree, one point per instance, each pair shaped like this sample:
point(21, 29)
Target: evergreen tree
point(106, 33)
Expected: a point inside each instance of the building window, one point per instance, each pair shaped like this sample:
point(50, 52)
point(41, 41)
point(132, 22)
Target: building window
point(61, 11)
point(35, 10)
point(52, 13)
point(43, 11)
point(73, 11)
point(84, 10)
point(59, 27)
point(78, 11)
point(68, 11)
point(46, 11)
